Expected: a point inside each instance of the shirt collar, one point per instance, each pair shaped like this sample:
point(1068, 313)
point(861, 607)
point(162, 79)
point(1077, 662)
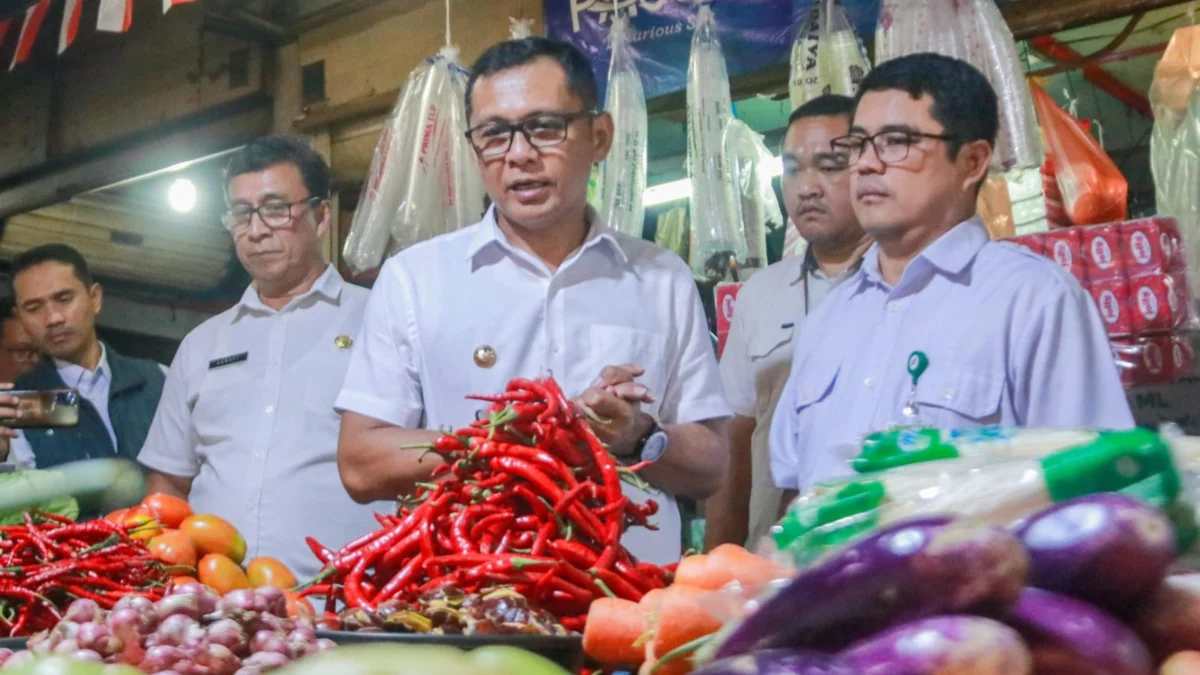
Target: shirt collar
point(950, 254)
point(73, 374)
point(488, 233)
point(328, 286)
point(809, 266)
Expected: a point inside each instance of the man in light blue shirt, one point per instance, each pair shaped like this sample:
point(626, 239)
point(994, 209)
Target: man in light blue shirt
point(940, 326)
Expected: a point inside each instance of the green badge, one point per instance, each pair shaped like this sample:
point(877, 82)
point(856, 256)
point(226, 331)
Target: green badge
point(918, 363)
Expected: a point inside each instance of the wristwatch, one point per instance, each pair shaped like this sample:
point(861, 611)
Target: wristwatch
point(654, 444)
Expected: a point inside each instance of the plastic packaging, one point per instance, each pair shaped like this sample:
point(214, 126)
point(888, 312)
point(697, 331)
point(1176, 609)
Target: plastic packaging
point(519, 29)
point(827, 55)
point(716, 218)
point(974, 31)
point(622, 180)
point(423, 180)
point(1155, 360)
point(1092, 187)
point(995, 207)
point(901, 447)
point(750, 164)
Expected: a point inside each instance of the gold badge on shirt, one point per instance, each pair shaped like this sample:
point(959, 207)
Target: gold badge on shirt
point(485, 356)
point(343, 342)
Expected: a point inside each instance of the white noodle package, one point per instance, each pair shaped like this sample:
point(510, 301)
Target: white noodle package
point(622, 180)
point(750, 162)
point(827, 56)
point(974, 31)
point(720, 241)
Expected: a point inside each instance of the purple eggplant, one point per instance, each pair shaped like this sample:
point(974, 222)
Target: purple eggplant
point(1070, 637)
point(906, 571)
point(778, 662)
point(1107, 549)
point(964, 645)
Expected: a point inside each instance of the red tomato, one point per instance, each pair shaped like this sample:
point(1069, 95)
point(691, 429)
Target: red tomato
point(267, 571)
point(297, 606)
point(211, 534)
point(172, 511)
point(174, 548)
point(221, 574)
point(117, 517)
point(183, 580)
point(142, 523)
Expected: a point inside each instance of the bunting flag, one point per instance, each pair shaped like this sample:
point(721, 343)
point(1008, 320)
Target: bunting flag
point(168, 4)
point(34, 16)
point(70, 24)
point(115, 16)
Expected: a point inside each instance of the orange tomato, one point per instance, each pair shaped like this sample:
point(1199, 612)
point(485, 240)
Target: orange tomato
point(174, 548)
point(182, 580)
point(267, 571)
point(172, 511)
point(144, 520)
point(211, 534)
point(221, 574)
point(116, 517)
point(298, 606)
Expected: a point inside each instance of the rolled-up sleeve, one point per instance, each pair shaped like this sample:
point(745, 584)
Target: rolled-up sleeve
point(383, 380)
point(693, 392)
point(170, 445)
point(1064, 368)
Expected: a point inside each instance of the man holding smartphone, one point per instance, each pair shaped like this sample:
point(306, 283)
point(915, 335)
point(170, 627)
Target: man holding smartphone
point(58, 302)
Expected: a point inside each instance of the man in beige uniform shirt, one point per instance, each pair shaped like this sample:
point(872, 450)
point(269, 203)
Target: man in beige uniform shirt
point(771, 308)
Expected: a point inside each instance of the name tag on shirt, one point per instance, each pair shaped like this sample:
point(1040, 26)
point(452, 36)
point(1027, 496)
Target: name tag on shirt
point(228, 360)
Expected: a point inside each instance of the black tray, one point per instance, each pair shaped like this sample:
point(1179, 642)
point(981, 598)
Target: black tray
point(565, 650)
point(15, 644)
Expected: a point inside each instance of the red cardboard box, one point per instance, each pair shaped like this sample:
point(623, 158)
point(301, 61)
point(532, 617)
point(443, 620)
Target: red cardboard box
point(1183, 356)
point(1155, 304)
point(1063, 247)
point(1152, 245)
point(1112, 299)
point(725, 299)
point(1033, 242)
point(1101, 247)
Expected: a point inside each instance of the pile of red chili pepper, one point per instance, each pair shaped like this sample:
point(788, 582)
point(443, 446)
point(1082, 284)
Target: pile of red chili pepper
point(49, 561)
point(527, 498)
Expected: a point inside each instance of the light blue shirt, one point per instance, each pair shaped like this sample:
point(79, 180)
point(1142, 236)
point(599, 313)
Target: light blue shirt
point(1011, 339)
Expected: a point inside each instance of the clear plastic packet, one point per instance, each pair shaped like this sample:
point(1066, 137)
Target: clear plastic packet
point(750, 163)
point(827, 55)
point(1154, 360)
point(622, 180)
point(716, 218)
point(519, 29)
point(974, 31)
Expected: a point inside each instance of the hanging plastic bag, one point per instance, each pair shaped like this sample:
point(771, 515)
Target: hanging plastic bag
point(519, 29)
point(622, 179)
point(720, 242)
point(1092, 187)
point(827, 55)
point(750, 164)
point(974, 31)
point(1175, 141)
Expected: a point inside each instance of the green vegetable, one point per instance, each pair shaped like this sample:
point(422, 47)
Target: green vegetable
point(513, 661)
point(61, 665)
point(39, 481)
point(386, 659)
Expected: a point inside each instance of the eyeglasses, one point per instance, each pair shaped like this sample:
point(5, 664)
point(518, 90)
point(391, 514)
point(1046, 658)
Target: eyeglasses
point(493, 139)
point(891, 147)
point(275, 215)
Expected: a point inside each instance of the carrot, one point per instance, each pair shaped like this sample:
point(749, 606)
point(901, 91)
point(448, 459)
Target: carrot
point(612, 630)
point(682, 618)
point(652, 599)
point(696, 571)
point(749, 570)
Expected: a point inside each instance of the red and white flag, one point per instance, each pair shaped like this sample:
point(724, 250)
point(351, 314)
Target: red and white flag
point(168, 4)
point(70, 24)
point(34, 16)
point(115, 16)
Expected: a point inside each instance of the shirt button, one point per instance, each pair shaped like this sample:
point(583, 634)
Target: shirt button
point(870, 382)
point(270, 409)
point(893, 307)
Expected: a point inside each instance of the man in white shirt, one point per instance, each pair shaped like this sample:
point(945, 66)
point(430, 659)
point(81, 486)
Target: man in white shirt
point(773, 306)
point(58, 302)
point(246, 429)
point(538, 287)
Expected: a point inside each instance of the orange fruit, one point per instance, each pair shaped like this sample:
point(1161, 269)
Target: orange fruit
point(211, 534)
point(267, 571)
point(174, 548)
point(172, 511)
point(221, 573)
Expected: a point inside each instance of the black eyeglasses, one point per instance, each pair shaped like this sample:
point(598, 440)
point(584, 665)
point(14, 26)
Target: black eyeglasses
point(275, 215)
point(890, 146)
point(493, 139)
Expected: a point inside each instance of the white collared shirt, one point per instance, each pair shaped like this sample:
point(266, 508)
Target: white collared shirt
point(615, 300)
point(247, 412)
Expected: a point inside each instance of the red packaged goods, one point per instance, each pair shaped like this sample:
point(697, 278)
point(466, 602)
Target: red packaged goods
point(1063, 246)
point(1155, 301)
point(726, 298)
point(1102, 252)
point(1151, 245)
point(1128, 359)
point(1157, 366)
point(1183, 356)
point(1033, 242)
point(1112, 298)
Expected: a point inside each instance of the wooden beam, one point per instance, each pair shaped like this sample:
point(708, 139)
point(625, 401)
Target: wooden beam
point(1031, 18)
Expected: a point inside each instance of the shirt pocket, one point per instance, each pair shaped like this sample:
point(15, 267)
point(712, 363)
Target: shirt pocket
point(960, 394)
point(815, 383)
point(617, 345)
point(770, 353)
point(224, 397)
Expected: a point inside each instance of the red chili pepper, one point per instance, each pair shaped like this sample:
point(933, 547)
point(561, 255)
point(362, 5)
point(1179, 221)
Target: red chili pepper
point(490, 524)
point(574, 553)
point(543, 537)
point(353, 586)
point(323, 554)
point(397, 583)
point(617, 584)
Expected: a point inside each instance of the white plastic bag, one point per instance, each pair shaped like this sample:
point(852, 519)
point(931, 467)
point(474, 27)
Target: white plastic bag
point(750, 164)
point(720, 242)
point(622, 180)
point(974, 31)
point(827, 55)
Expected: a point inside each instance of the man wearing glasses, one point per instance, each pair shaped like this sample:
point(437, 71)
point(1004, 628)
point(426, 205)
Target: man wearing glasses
point(246, 428)
point(538, 287)
point(940, 327)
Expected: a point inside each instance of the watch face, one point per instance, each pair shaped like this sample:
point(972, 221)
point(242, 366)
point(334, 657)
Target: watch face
point(655, 446)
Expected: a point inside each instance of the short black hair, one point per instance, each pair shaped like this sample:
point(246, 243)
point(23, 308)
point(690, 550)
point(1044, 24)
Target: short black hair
point(56, 253)
point(581, 79)
point(964, 102)
point(827, 105)
point(264, 153)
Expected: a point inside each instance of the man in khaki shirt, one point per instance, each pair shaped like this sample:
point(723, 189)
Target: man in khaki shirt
point(771, 308)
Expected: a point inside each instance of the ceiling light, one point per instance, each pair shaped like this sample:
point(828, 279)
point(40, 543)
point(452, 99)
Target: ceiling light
point(681, 189)
point(182, 195)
